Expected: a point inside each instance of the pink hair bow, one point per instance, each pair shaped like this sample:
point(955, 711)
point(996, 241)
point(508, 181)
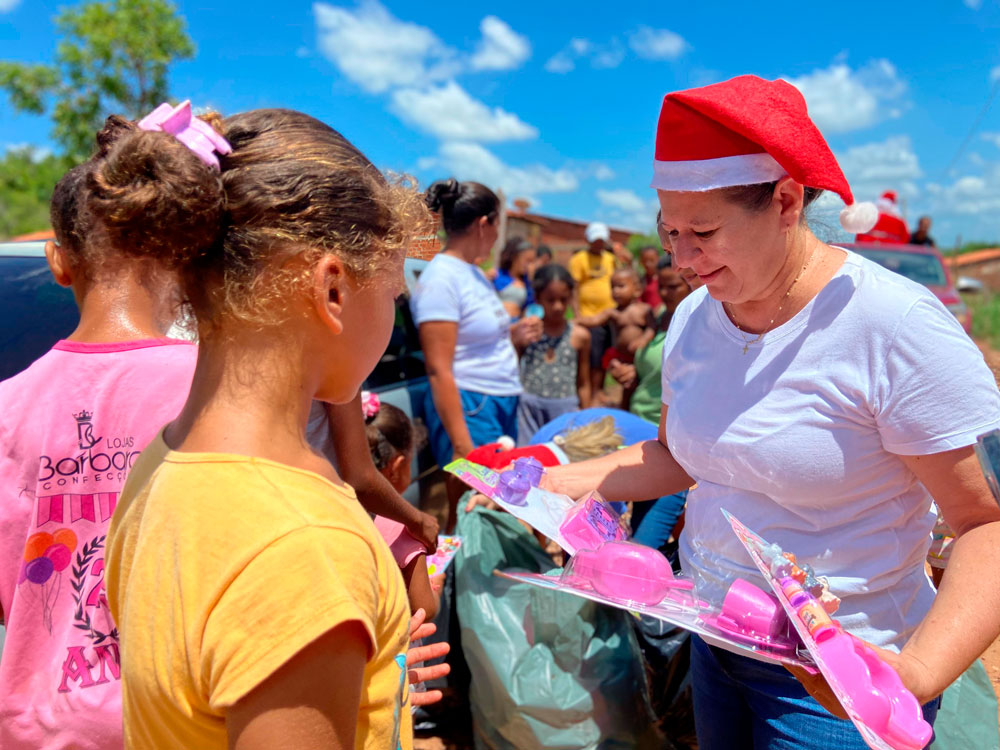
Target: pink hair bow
point(370, 404)
point(196, 134)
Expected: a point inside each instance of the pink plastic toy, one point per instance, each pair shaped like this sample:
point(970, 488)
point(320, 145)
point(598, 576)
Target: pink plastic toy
point(626, 571)
point(196, 134)
point(591, 523)
point(877, 694)
point(754, 617)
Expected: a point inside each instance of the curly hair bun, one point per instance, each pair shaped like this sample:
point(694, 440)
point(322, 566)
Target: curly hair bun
point(443, 194)
point(153, 196)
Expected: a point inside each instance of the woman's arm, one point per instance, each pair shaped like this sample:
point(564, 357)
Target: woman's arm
point(963, 621)
point(641, 471)
point(437, 339)
point(418, 587)
point(299, 705)
point(579, 339)
point(375, 493)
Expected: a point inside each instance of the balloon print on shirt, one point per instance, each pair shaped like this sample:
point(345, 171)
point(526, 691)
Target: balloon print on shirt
point(46, 556)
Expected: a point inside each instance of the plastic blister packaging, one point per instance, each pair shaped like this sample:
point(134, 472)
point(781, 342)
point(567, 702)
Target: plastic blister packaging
point(883, 710)
point(572, 525)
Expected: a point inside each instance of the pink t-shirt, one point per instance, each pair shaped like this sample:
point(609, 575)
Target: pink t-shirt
point(403, 545)
point(73, 423)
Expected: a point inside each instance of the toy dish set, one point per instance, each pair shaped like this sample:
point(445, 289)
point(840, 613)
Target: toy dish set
point(792, 625)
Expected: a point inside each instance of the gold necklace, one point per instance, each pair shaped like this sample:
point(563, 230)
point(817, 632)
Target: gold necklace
point(747, 343)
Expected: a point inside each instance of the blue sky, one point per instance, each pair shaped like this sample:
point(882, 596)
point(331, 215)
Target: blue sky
point(558, 101)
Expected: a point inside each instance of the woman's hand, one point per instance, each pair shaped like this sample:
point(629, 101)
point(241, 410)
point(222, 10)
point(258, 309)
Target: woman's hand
point(915, 677)
point(525, 332)
point(417, 654)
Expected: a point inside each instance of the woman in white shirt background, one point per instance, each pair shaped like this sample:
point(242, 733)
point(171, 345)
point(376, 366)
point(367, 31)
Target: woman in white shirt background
point(824, 401)
point(465, 331)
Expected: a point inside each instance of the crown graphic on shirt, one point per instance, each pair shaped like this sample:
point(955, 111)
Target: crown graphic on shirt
point(83, 416)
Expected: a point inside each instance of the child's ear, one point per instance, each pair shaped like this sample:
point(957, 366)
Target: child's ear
point(58, 264)
point(399, 470)
point(329, 288)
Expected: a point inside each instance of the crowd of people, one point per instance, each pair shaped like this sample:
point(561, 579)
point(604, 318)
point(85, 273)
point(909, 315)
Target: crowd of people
point(188, 556)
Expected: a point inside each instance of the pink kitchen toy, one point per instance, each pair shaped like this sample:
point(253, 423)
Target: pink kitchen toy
point(754, 617)
point(593, 522)
point(627, 571)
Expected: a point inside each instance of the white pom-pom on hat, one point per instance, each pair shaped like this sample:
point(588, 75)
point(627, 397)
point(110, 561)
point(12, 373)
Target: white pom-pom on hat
point(506, 442)
point(859, 218)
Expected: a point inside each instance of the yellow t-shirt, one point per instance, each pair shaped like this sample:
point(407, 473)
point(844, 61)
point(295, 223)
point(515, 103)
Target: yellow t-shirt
point(220, 568)
point(593, 280)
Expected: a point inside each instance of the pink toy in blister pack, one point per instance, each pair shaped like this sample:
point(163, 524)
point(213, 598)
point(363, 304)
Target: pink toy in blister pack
point(883, 710)
point(592, 522)
point(628, 571)
point(754, 617)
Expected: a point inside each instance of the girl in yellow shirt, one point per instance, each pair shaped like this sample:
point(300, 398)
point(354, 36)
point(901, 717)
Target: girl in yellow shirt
point(257, 605)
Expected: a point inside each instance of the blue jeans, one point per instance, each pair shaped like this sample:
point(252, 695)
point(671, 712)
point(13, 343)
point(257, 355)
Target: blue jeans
point(487, 417)
point(744, 704)
point(653, 521)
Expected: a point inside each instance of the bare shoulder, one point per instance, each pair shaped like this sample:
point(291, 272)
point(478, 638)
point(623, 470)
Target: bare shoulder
point(579, 336)
point(637, 312)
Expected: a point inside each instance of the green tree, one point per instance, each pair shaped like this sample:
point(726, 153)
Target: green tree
point(27, 177)
point(113, 57)
point(637, 242)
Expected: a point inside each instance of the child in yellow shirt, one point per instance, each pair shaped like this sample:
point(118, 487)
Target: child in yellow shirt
point(256, 603)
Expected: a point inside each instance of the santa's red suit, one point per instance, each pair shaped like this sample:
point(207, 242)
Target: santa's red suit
point(890, 229)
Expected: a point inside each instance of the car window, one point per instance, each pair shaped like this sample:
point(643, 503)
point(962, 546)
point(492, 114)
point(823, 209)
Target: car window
point(403, 359)
point(924, 269)
point(37, 312)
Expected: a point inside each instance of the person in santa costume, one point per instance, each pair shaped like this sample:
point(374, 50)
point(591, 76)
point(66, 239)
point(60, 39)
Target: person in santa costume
point(890, 228)
point(822, 399)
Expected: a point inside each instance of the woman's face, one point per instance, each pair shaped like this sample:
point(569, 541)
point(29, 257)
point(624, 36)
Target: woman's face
point(736, 253)
point(523, 264)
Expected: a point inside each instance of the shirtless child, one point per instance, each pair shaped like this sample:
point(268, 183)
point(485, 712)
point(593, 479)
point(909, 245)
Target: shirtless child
point(630, 320)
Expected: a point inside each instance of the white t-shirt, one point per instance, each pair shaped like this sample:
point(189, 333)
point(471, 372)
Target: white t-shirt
point(800, 438)
point(453, 290)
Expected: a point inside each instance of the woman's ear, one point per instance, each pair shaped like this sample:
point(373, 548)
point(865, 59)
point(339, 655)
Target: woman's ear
point(788, 198)
point(59, 264)
point(329, 288)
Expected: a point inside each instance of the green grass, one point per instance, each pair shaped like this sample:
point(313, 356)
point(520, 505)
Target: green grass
point(985, 309)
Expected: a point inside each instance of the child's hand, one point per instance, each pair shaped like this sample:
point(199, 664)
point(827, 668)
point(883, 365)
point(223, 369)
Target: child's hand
point(482, 501)
point(417, 654)
point(425, 528)
point(437, 583)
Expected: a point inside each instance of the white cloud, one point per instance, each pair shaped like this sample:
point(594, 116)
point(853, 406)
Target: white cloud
point(561, 62)
point(634, 210)
point(974, 4)
point(995, 74)
point(378, 51)
point(8, 5)
point(993, 138)
point(603, 172)
point(657, 44)
point(470, 161)
point(501, 48)
point(449, 113)
point(841, 99)
point(873, 168)
point(601, 56)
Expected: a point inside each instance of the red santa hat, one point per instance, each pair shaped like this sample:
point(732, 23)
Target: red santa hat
point(747, 131)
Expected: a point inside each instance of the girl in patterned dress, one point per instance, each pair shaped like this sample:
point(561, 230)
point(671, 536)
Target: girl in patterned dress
point(555, 370)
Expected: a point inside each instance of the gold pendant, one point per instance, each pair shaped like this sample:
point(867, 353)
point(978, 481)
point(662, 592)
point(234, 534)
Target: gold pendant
point(746, 346)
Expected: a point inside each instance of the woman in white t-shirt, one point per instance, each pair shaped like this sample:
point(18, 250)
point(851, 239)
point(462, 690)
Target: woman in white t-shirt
point(465, 331)
point(823, 400)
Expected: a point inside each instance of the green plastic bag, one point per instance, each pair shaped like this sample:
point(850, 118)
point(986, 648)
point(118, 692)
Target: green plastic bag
point(967, 719)
point(549, 670)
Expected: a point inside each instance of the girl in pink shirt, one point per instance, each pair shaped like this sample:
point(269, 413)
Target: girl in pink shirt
point(74, 422)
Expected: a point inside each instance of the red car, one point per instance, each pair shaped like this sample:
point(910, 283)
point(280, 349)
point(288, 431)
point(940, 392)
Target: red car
point(922, 264)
